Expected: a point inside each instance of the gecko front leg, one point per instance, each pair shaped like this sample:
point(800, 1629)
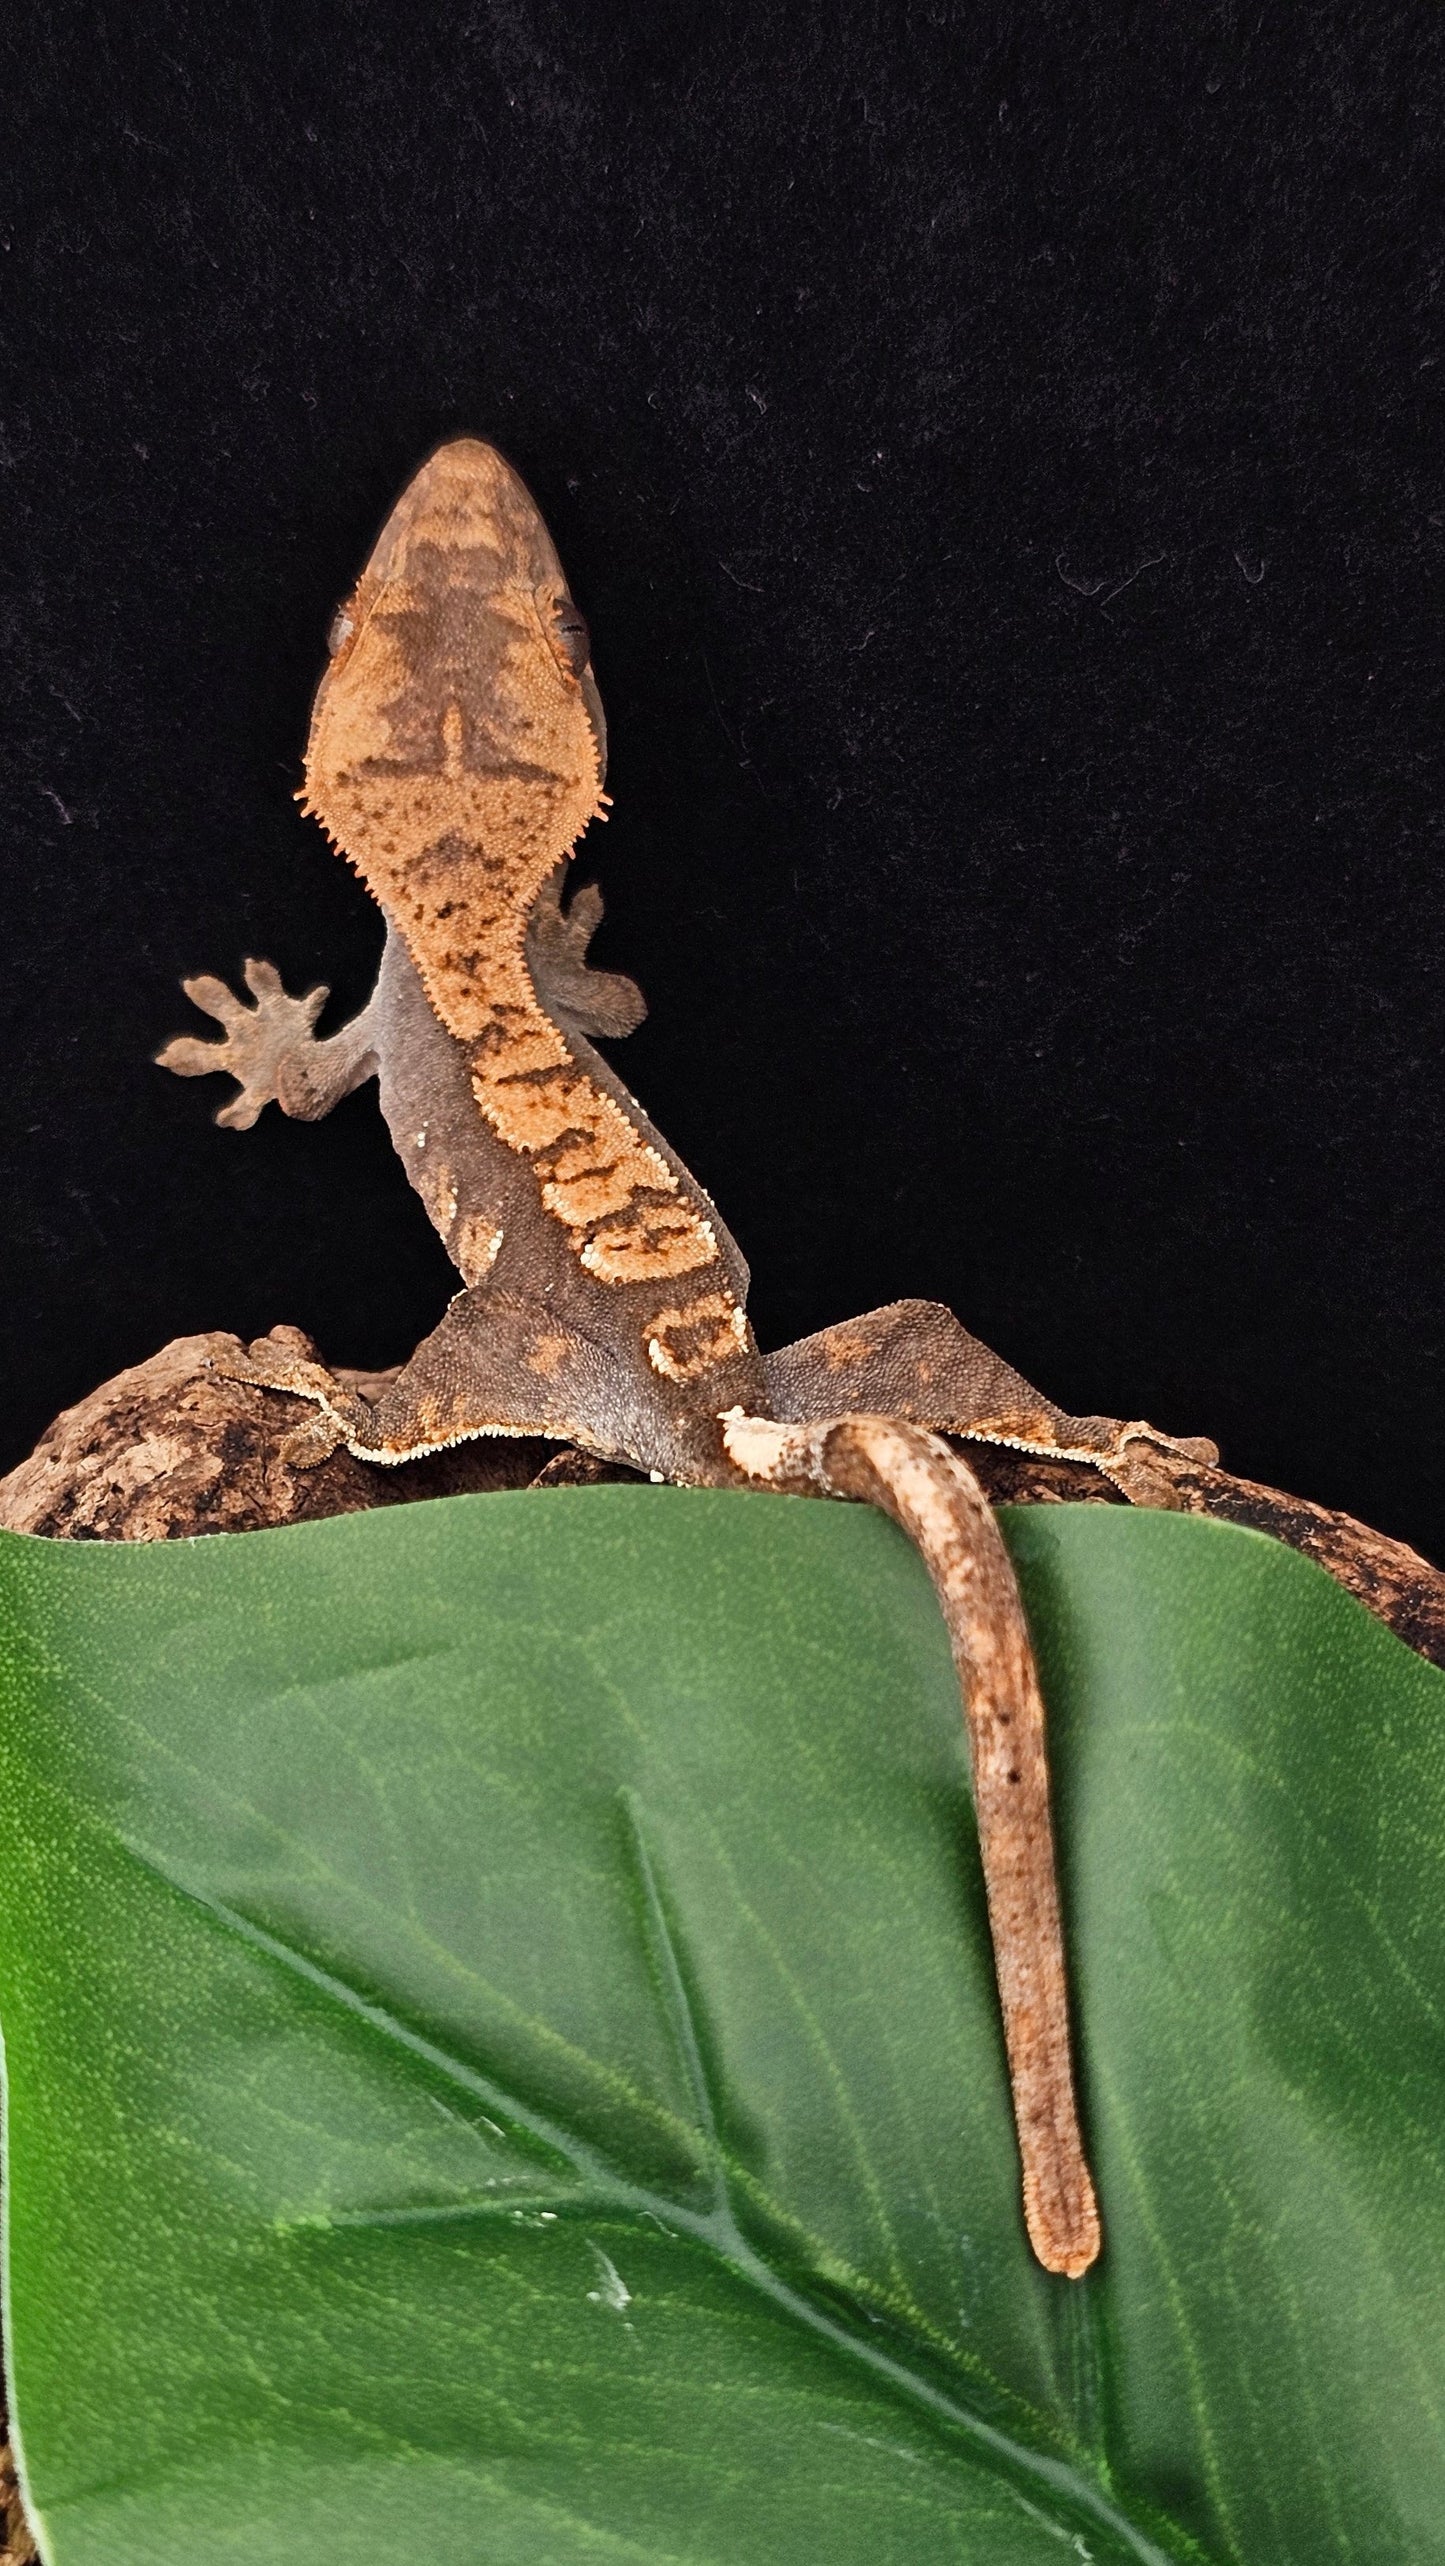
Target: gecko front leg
point(570, 988)
point(271, 1049)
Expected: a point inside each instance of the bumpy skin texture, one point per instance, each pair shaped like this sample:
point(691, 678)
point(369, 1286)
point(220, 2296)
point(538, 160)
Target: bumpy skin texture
point(456, 754)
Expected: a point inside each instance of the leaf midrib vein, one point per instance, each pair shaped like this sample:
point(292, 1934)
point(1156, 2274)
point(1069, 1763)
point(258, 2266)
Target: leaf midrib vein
point(716, 2230)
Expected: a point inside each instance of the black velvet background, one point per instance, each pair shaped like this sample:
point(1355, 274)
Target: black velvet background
point(999, 452)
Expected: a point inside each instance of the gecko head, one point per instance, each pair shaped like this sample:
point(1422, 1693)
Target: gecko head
point(459, 707)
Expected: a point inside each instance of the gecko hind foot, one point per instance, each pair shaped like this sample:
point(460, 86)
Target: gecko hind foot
point(313, 1441)
point(284, 1361)
point(1141, 1464)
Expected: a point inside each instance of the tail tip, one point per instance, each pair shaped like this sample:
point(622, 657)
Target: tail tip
point(1064, 2231)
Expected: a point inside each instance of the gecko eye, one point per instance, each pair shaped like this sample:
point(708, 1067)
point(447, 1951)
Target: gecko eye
point(569, 636)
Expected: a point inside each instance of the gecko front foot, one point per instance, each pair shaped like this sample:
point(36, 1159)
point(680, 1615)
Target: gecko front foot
point(259, 1041)
point(596, 1002)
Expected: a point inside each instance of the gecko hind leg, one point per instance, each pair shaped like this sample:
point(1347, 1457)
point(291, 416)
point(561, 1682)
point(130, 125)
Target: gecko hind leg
point(930, 1492)
point(914, 1359)
point(497, 1363)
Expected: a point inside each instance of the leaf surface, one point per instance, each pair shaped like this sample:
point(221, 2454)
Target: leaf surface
point(502, 2061)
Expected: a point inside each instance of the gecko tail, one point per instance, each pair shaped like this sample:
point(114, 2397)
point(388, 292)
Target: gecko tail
point(930, 1492)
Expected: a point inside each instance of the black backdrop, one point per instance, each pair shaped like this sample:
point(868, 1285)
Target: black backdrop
point(999, 452)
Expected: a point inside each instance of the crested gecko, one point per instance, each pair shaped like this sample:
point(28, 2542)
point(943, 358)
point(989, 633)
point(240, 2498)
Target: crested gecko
point(456, 754)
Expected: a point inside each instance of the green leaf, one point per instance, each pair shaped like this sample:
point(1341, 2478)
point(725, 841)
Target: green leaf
point(502, 2060)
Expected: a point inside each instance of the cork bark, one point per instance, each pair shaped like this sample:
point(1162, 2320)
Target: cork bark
point(172, 1448)
point(17, 2546)
point(1393, 1581)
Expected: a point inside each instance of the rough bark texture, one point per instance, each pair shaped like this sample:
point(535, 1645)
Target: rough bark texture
point(172, 1448)
point(1394, 1581)
point(17, 2548)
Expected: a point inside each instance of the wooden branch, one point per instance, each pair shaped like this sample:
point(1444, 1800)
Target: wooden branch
point(17, 2544)
point(172, 1448)
point(1390, 1578)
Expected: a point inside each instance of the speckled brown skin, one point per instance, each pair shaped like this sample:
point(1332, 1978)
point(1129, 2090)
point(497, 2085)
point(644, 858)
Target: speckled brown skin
point(937, 1501)
point(456, 754)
